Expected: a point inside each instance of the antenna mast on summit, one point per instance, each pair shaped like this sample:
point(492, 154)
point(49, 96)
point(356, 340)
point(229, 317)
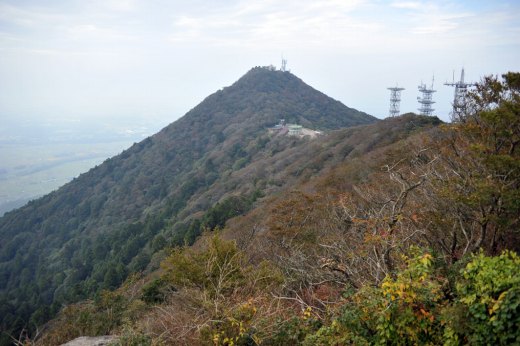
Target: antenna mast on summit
point(459, 99)
point(284, 65)
point(426, 100)
point(395, 100)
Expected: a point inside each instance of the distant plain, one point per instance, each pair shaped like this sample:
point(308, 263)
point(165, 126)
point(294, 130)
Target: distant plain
point(37, 158)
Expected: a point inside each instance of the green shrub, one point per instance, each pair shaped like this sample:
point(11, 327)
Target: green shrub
point(487, 310)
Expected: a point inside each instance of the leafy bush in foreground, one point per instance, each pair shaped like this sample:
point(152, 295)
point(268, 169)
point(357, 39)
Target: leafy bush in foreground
point(415, 307)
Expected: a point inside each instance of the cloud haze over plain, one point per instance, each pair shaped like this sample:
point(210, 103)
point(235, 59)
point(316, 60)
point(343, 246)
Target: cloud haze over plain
point(110, 59)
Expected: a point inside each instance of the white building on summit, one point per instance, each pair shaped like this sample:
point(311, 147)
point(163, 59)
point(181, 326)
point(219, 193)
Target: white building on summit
point(295, 130)
point(282, 129)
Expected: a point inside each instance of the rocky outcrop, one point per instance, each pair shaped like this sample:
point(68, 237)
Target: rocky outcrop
point(91, 341)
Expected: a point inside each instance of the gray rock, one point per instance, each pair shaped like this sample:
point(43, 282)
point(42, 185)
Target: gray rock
point(91, 341)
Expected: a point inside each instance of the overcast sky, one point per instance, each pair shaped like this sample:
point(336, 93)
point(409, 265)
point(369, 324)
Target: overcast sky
point(152, 59)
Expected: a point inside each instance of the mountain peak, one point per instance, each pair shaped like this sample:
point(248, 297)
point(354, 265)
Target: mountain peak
point(264, 95)
point(267, 79)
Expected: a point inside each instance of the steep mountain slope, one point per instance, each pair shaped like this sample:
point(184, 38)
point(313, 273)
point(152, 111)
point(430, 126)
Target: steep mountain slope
point(305, 181)
point(109, 222)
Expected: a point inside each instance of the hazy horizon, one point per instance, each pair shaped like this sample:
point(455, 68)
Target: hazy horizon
point(118, 59)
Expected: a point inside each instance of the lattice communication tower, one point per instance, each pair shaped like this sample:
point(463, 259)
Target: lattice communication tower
point(395, 100)
point(426, 100)
point(459, 100)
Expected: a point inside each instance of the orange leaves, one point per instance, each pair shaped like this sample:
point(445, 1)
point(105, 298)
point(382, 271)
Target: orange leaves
point(297, 216)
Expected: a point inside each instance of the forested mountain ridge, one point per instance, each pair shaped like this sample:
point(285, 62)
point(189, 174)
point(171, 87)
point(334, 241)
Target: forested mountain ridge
point(402, 232)
point(110, 221)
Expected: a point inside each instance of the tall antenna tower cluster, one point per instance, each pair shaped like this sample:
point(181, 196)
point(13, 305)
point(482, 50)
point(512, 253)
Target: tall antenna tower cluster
point(426, 100)
point(395, 100)
point(459, 100)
